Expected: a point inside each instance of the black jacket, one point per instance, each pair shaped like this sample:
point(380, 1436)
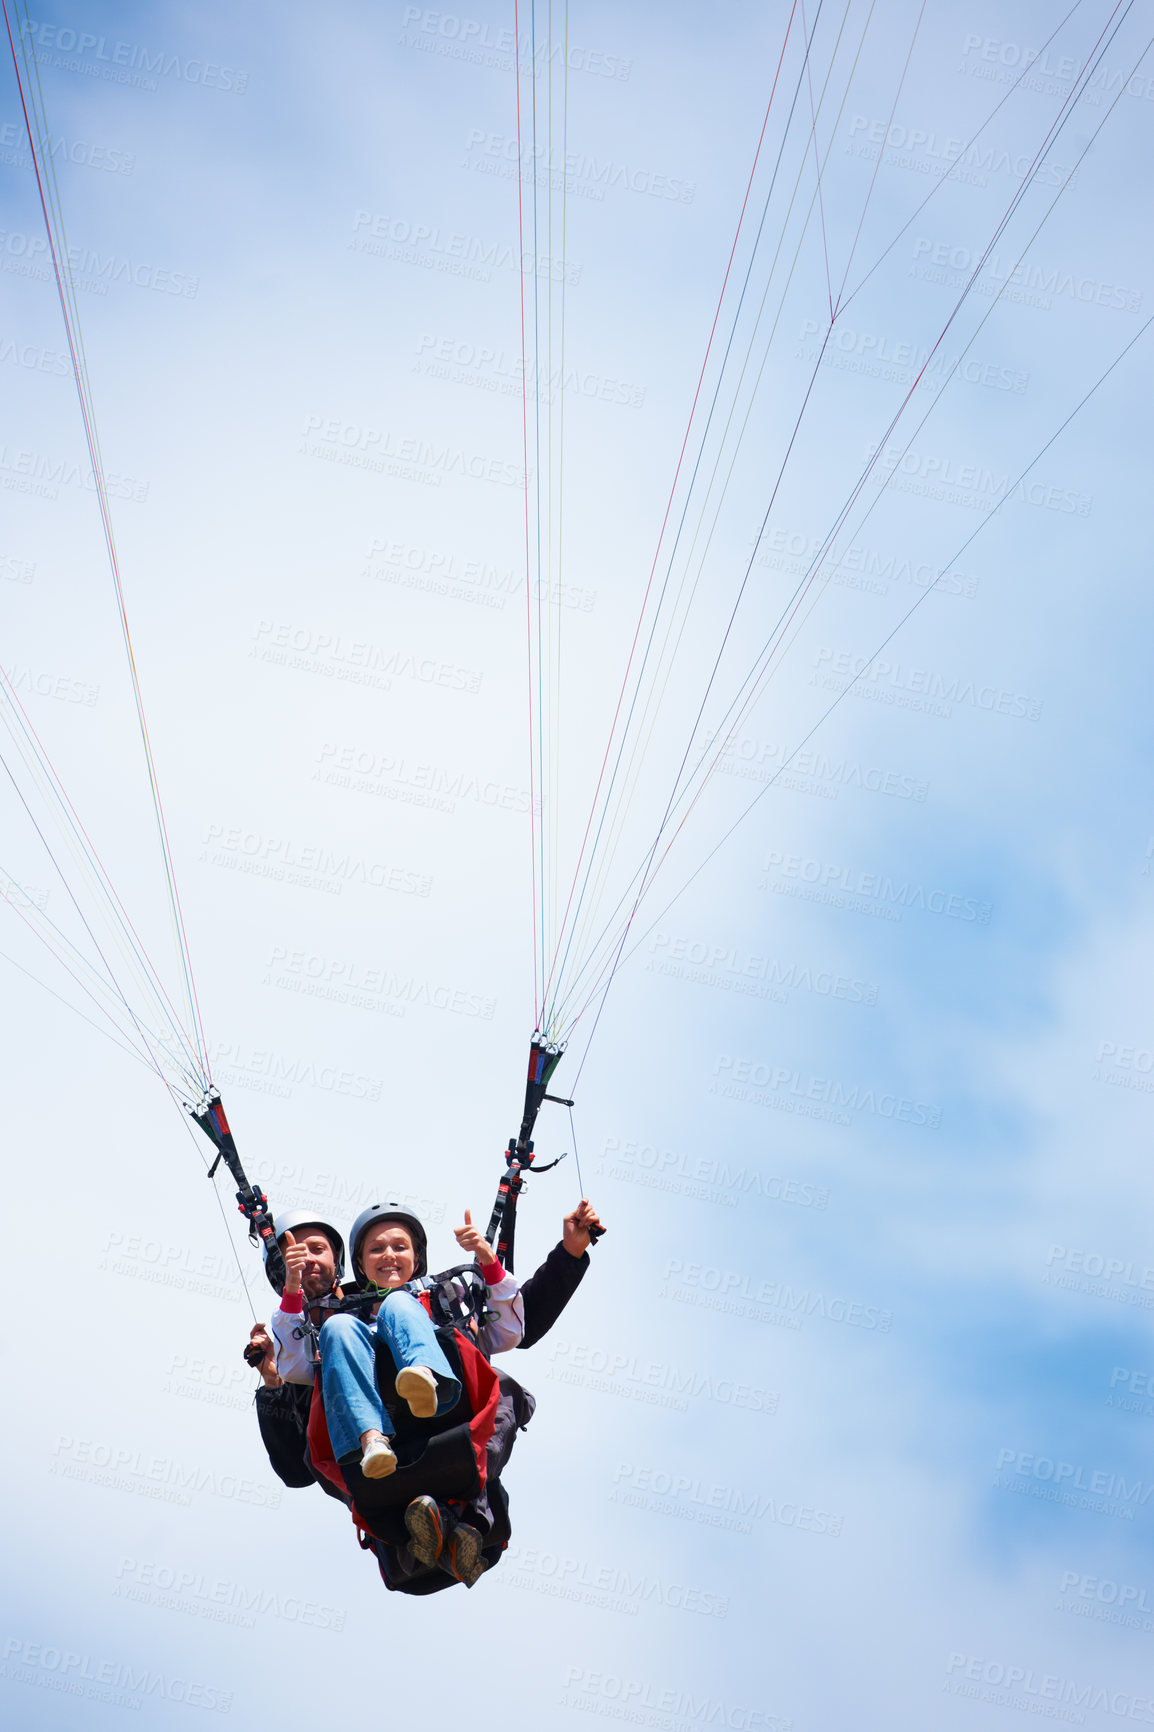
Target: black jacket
point(548, 1290)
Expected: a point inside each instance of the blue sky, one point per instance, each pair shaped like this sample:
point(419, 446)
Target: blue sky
point(876, 1082)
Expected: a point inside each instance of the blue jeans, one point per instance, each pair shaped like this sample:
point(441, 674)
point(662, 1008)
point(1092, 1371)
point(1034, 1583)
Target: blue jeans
point(353, 1402)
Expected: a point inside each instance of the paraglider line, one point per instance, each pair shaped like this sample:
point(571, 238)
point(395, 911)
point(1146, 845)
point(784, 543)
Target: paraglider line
point(844, 693)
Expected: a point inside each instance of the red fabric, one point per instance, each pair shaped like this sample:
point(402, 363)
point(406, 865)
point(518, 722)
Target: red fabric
point(290, 1303)
point(492, 1274)
point(320, 1444)
point(482, 1390)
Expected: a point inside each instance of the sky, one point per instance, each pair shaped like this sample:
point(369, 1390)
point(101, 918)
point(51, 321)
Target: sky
point(851, 1420)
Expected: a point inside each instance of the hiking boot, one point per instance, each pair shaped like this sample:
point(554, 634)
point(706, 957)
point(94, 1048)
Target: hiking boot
point(461, 1556)
point(416, 1385)
point(378, 1460)
point(426, 1533)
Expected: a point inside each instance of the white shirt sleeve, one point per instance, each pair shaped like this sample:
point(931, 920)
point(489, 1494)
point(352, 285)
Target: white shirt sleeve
point(506, 1329)
point(294, 1357)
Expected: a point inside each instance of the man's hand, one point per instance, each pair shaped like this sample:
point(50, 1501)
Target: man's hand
point(579, 1227)
point(295, 1258)
point(261, 1355)
point(470, 1239)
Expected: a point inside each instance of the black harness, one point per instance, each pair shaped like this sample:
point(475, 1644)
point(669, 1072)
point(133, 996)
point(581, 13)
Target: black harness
point(457, 1297)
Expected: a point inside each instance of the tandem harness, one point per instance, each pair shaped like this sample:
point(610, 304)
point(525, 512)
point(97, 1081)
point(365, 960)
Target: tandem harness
point(445, 1457)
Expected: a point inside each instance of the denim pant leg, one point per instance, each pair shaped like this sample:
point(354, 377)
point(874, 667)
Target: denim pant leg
point(352, 1400)
point(407, 1330)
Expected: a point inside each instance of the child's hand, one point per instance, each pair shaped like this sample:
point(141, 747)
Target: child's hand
point(469, 1238)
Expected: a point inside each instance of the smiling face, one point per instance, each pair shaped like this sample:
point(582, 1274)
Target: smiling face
point(320, 1271)
point(387, 1255)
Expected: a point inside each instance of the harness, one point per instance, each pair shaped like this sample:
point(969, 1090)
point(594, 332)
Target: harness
point(457, 1298)
point(444, 1456)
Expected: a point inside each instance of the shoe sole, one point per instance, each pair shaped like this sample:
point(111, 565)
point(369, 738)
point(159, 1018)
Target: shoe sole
point(465, 1560)
point(420, 1396)
point(379, 1465)
point(424, 1526)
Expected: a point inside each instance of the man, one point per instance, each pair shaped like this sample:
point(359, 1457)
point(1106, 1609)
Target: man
point(314, 1255)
